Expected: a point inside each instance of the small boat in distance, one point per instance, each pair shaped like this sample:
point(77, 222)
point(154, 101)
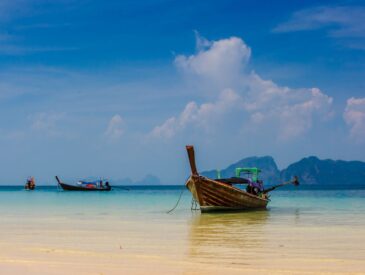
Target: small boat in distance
point(85, 186)
point(30, 184)
point(224, 195)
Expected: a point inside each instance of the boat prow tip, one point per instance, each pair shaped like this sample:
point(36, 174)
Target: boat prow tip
point(191, 155)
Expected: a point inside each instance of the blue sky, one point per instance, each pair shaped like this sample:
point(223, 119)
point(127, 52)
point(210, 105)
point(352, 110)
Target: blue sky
point(116, 89)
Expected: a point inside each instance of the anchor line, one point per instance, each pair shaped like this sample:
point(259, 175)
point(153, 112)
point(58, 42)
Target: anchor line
point(178, 201)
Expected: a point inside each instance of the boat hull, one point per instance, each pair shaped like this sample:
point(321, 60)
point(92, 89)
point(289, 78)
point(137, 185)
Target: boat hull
point(214, 196)
point(69, 187)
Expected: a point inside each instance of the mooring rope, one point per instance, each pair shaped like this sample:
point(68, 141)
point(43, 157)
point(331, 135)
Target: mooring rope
point(194, 205)
point(177, 203)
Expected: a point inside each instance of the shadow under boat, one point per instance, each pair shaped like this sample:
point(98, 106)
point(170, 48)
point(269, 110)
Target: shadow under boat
point(84, 186)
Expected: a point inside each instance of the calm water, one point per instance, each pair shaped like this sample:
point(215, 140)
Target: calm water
point(156, 200)
point(302, 231)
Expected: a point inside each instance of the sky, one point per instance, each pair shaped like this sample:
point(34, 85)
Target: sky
point(116, 89)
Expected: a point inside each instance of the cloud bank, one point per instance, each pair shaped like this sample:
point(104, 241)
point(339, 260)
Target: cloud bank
point(254, 103)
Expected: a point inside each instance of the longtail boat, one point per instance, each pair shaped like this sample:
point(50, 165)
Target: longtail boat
point(30, 184)
point(223, 194)
point(84, 186)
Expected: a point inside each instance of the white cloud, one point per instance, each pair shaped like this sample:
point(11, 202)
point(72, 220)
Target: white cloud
point(218, 61)
point(354, 116)
point(201, 42)
point(115, 127)
point(46, 123)
point(12, 37)
point(291, 110)
point(254, 103)
point(11, 49)
point(346, 22)
point(13, 9)
point(205, 116)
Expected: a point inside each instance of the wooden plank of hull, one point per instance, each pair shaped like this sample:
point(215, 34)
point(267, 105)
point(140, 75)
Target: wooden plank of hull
point(216, 196)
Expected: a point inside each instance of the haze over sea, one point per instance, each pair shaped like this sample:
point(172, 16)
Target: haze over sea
point(119, 232)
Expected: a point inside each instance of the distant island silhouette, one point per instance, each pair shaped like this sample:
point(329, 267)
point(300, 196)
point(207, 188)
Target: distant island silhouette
point(310, 170)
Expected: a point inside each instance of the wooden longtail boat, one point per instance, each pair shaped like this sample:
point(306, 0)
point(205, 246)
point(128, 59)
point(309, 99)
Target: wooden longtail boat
point(81, 186)
point(30, 184)
point(222, 195)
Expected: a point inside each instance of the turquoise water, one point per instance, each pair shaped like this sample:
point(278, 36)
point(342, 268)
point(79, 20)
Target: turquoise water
point(149, 200)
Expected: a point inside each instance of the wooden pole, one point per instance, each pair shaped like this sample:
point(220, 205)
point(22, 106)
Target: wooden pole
point(294, 181)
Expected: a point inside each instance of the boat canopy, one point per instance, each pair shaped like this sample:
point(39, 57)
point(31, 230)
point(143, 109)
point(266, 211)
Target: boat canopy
point(253, 171)
point(89, 182)
point(235, 180)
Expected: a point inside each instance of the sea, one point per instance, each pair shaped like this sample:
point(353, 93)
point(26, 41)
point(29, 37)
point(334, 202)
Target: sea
point(131, 230)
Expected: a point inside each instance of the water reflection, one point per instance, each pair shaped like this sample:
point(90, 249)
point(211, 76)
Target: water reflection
point(227, 237)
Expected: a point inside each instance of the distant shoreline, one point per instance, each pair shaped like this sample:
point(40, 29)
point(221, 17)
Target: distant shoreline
point(178, 187)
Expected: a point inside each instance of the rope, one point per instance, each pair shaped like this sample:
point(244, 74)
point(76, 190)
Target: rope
point(194, 205)
point(177, 203)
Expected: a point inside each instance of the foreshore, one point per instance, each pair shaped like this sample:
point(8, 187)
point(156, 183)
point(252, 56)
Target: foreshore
point(172, 247)
point(64, 233)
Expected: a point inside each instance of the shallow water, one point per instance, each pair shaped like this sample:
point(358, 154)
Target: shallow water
point(305, 231)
